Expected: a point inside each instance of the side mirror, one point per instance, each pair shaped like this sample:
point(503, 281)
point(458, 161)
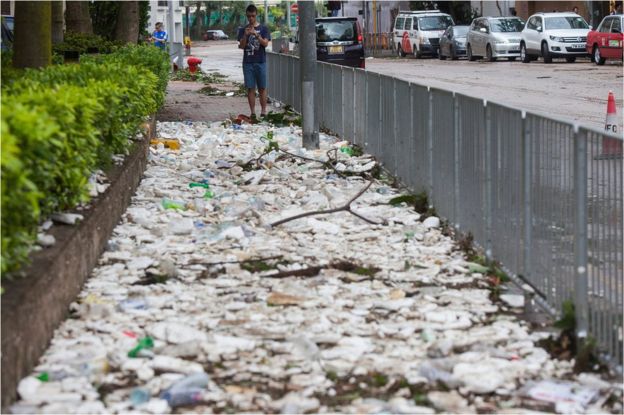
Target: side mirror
point(483, 30)
point(539, 28)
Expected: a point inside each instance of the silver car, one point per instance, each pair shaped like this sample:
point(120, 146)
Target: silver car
point(494, 37)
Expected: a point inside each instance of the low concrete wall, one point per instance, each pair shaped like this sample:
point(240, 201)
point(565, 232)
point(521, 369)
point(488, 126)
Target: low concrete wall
point(35, 305)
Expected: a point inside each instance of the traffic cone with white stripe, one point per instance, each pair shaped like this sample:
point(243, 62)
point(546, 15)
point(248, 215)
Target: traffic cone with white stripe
point(611, 147)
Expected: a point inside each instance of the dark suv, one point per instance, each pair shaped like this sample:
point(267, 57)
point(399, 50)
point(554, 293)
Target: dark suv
point(339, 40)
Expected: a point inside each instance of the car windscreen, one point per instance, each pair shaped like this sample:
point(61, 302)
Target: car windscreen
point(506, 25)
point(460, 31)
point(567, 22)
point(435, 22)
point(342, 31)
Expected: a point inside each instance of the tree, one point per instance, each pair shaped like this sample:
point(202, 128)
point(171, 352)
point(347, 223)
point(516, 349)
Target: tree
point(57, 21)
point(33, 34)
point(127, 27)
point(77, 17)
point(104, 16)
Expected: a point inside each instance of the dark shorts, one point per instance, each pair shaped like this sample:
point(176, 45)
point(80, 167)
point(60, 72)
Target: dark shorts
point(255, 75)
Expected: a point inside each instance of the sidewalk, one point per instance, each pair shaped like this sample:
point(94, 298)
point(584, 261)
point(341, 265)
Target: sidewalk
point(326, 313)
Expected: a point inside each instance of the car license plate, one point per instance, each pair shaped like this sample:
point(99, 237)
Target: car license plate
point(578, 46)
point(333, 50)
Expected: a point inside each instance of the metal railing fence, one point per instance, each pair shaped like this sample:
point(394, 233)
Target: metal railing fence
point(542, 196)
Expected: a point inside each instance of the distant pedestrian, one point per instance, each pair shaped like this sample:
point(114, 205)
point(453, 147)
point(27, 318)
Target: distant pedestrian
point(575, 9)
point(253, 39)
point(159, 36)
point(618, 8)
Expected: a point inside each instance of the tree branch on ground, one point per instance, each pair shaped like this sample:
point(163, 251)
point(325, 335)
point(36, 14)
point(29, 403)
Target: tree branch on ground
point(344, 208)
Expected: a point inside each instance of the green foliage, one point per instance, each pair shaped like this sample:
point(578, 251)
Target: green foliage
point(567, 322)
point(62, 122)
point(84, 43)
point(104, 17)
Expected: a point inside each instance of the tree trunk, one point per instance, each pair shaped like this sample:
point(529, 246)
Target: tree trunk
point(77, 17)
point(33, 45)
point(127, 28)
point(57, 21)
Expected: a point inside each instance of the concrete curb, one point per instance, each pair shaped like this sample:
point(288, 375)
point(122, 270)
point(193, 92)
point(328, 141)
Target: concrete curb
point(34, 306)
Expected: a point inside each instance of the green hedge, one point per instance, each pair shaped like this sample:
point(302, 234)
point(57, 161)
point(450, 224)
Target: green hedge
point(61, 123)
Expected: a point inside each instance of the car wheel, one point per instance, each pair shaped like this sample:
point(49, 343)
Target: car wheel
point(571, 59)
point(417, 53)
point(545, 53)
point(452, 53)
point(471, 57)
point(400, 52)
point(524, 56)
point(597, 58)
point(511, 59)
point(489, 54)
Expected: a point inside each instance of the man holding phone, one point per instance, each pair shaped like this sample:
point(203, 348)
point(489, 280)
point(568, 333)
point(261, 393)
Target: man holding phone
point(253, 39)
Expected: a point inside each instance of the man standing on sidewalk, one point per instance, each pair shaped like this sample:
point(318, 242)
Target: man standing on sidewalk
point(253, 39)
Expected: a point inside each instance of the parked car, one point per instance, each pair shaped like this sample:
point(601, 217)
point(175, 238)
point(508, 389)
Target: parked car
point(215, 35)
point(607, 41)
point(554, 35)
point(7, 23)
point(339, 40)
point(494, 37)
point(453, 42)
point(419, 32)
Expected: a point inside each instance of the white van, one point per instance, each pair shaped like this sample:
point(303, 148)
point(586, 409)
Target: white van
point(419, 32)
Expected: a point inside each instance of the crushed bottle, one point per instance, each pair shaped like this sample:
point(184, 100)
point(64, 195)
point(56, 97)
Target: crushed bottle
point(187, 391)
point(143, 348)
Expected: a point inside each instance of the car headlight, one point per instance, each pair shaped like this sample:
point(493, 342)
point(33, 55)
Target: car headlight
point(556, 38)
point(424, 40)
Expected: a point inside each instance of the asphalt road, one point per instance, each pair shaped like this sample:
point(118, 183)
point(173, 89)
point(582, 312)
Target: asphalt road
point(569, 91)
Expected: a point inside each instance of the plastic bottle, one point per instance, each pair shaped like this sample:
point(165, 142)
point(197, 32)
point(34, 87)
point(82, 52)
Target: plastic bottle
point(139, 396)
point(186, 391)
point(52, 376)
point(346, 150)
point(173, 204)
point(144, 344)
point(203, 183)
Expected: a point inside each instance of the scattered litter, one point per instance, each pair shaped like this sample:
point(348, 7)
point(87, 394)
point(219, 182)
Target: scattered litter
point(67, 218)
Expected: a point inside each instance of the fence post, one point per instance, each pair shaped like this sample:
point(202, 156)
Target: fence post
point(395, 124)
point(456, 147)
point(487, 212)
point(580, 237)
point(527, 167)
point(430, 148)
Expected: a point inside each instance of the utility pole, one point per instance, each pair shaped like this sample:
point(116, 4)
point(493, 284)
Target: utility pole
point(170, 26)
point(307, 60)
point(266, 12)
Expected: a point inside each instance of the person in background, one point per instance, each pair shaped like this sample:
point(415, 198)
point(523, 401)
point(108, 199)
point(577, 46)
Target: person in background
point(253, 39)
point(618, 8)
point(159, 36)
point(575, 9)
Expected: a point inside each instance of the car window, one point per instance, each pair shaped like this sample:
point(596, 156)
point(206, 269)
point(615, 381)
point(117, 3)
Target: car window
point(506, 25)
point(408, 23)
point(435, 22)
point(336, 31)
point(605, 26)
point(565, 22)
point(460, 31)
point(616, 25)
point(415, 24)
point(399, 23)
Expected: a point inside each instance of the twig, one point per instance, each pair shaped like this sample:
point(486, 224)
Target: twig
point(346, 208)
point(244, 261)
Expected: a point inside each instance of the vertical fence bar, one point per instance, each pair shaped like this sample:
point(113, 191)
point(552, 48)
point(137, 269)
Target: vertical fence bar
point(527, 168)
point(456, 141)
point(580, 237)
point(430, 147)
point(489, 158)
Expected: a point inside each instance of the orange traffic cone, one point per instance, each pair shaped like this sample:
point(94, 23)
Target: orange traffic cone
point(611, 147)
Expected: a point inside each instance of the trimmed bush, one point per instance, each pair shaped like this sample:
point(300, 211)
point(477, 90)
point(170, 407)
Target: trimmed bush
point(61, 123)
